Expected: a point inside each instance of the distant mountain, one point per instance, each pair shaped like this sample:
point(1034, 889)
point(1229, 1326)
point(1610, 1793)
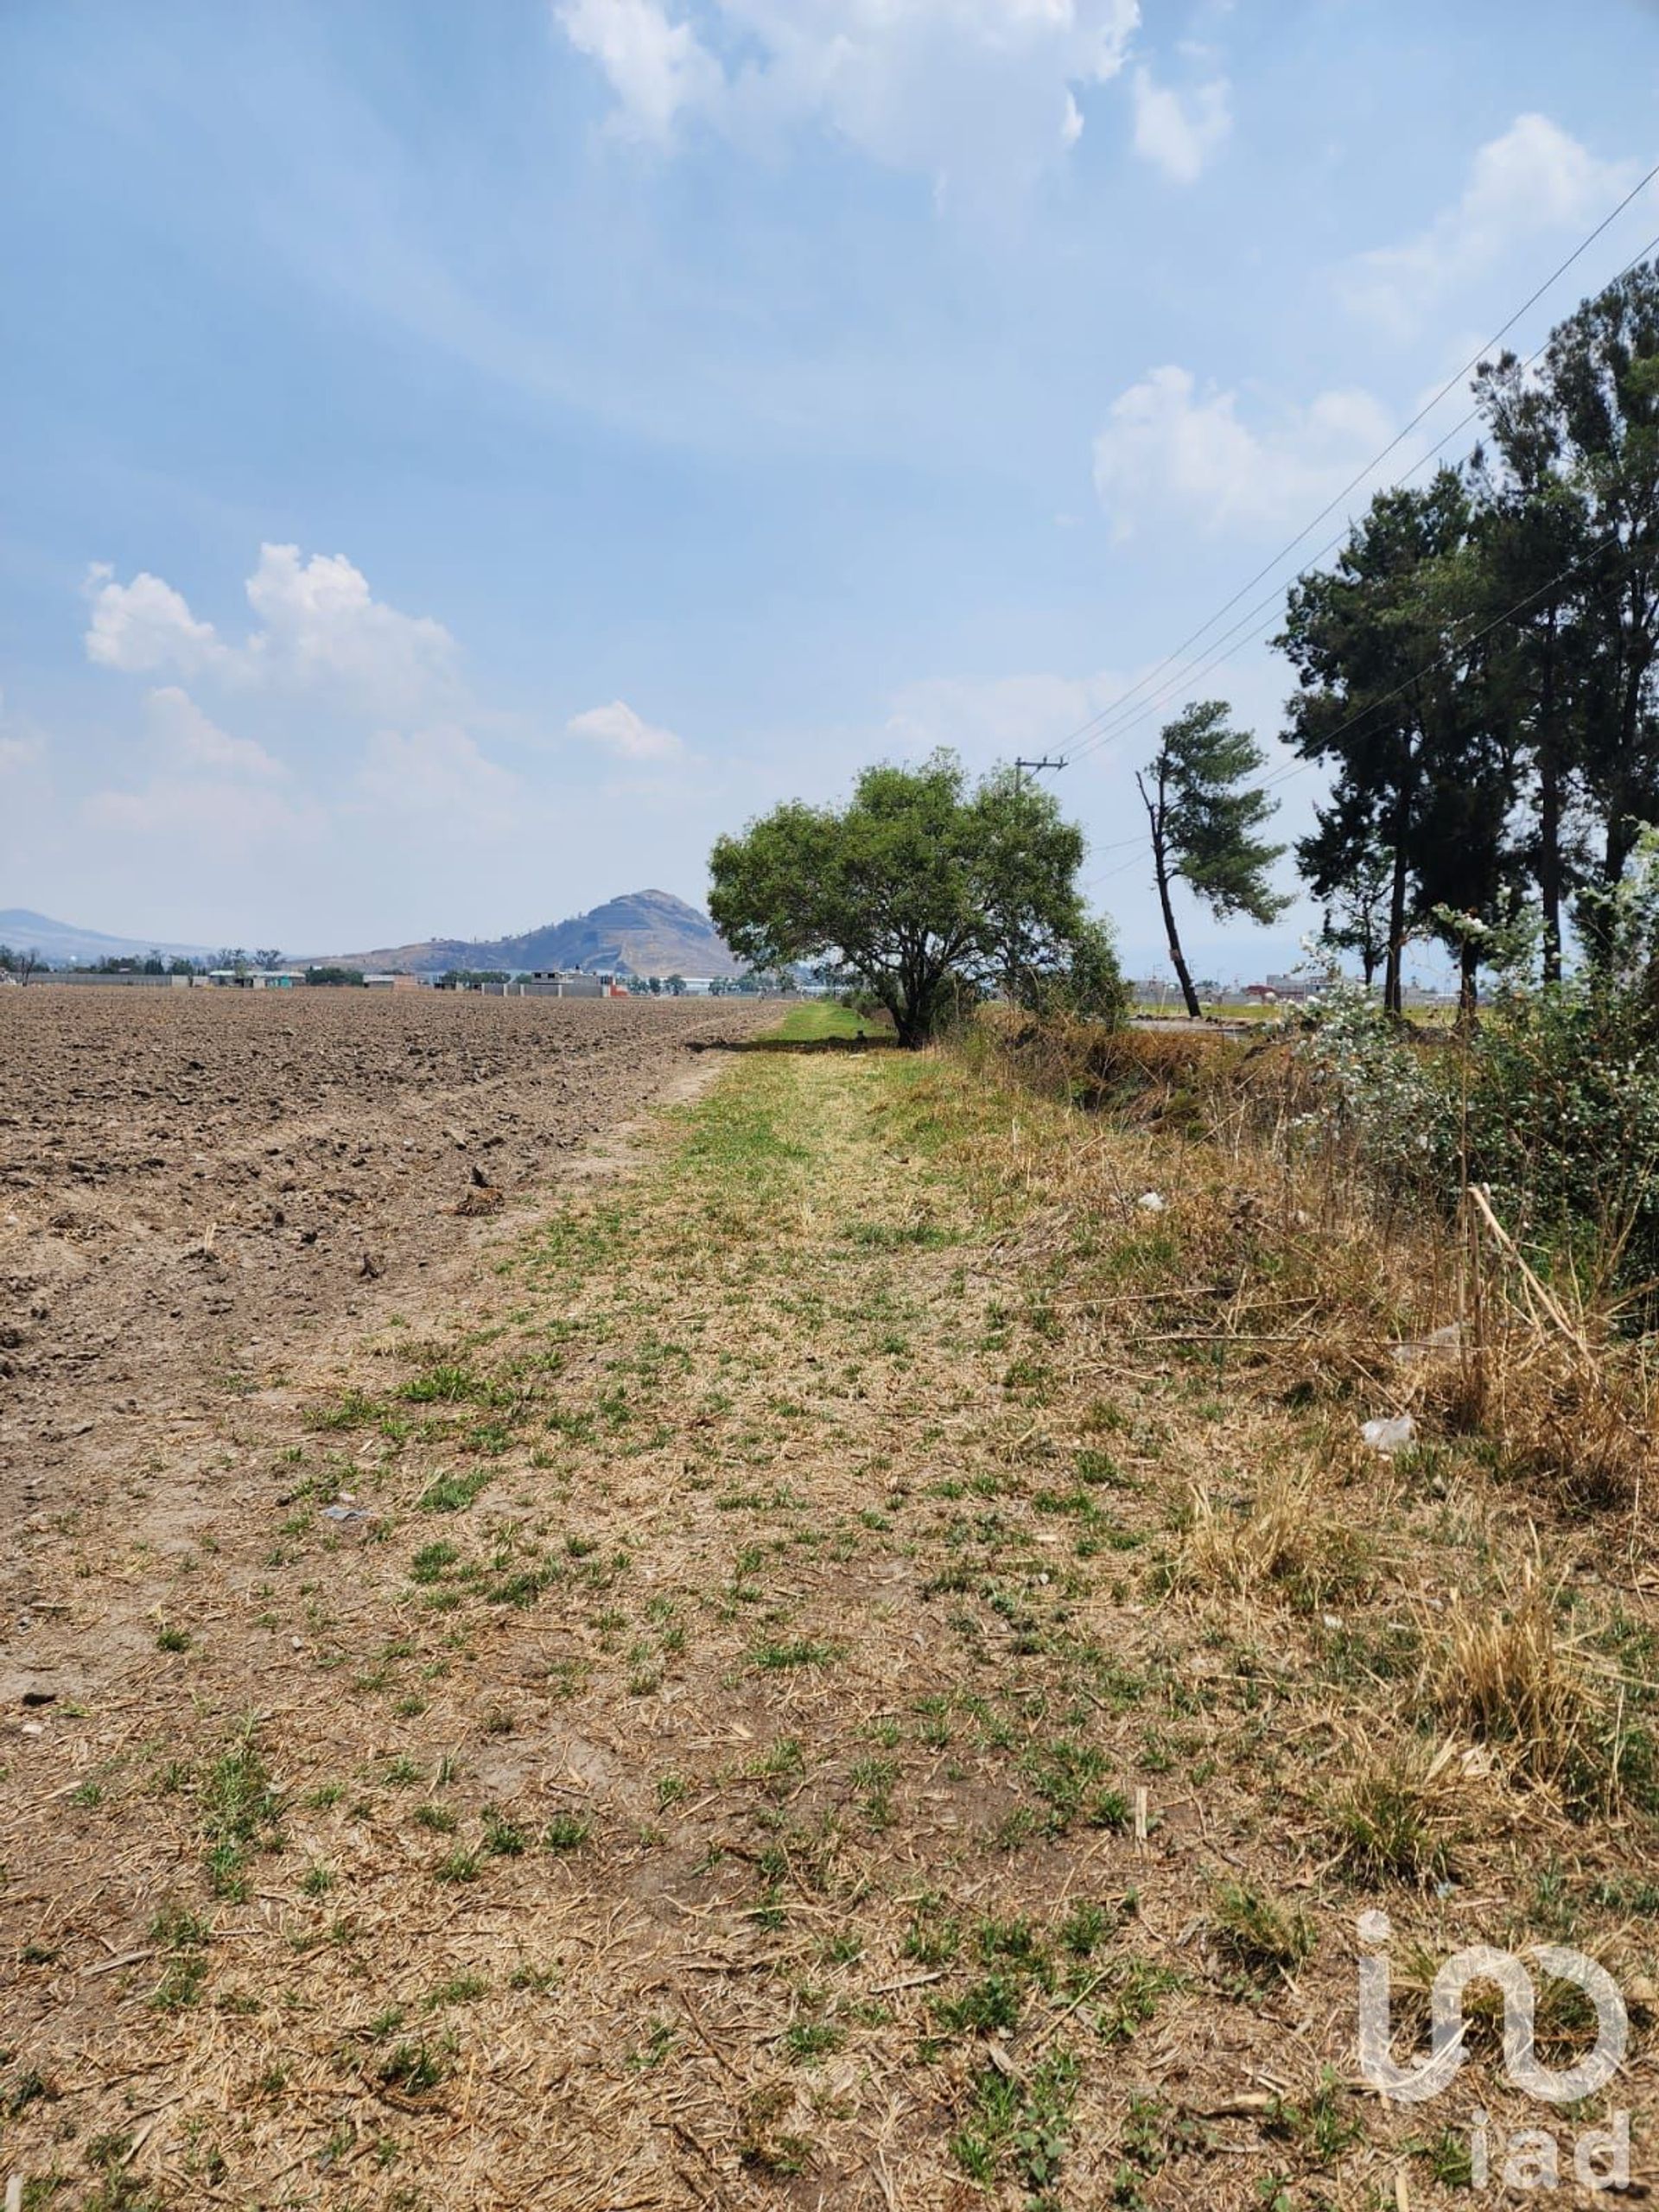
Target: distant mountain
point(642, 933)
point(61, 942)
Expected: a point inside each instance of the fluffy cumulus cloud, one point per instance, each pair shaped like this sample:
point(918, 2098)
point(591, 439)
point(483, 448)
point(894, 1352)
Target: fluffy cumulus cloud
point(1178, 131)
point(323, 628)
point(192, 740)
point(1169, 447)
point(941, 86)
point(145, 625)
point(1534, 181)
point(624, 734)
point(320, 631)
point(371, 678)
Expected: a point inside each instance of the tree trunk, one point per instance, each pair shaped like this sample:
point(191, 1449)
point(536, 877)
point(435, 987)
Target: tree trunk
point(1394, 956)
point(1393, 994)
point(1161, 865)
point(1155, 819)
point(1468, 985)
point(1549, 813)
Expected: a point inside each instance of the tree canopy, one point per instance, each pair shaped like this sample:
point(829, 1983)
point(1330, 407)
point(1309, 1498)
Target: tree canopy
point(1204, 813)
point(926, 888)
point(1480, 668)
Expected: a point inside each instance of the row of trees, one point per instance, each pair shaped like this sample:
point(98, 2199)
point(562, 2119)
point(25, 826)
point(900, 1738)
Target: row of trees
point(1476, 673)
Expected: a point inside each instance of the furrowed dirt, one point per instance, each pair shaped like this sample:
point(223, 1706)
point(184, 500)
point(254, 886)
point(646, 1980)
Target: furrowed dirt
point(198, 1188)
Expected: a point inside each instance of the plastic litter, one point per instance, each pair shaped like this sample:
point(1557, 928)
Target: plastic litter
point(346, 1513)
point(1151, 1202)
point(1450, 1338)
point(1389, 1435)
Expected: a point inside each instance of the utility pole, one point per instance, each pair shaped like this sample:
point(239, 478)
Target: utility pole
point(1019, 767)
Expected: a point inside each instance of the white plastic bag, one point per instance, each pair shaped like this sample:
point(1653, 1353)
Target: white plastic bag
point(1389, 1435)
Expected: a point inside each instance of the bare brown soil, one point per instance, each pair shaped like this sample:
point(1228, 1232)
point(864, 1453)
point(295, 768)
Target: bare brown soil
point(197, 1187)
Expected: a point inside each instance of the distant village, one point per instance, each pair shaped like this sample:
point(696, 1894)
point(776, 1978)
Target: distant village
point(535, 982)
point(1154, 996)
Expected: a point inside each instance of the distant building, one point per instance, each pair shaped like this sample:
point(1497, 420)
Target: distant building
point(1295, 988)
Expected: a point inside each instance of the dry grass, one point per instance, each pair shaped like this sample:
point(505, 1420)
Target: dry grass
point(1289, 1541)
point(1399, 1815)
point(880, 1674)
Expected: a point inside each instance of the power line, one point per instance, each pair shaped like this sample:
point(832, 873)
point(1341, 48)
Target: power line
point(1461, 645)
point(1450, 653)
point(1194, 672)
point(1474, 361)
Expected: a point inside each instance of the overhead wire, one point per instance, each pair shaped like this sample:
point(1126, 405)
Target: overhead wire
point(1194, 672)
point(1115, 711)
point(1451, 652)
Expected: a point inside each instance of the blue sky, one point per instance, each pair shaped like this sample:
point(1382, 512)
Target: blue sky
point(459, 459)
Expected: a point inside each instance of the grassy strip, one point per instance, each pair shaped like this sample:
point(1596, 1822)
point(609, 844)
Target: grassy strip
point(834, 1663)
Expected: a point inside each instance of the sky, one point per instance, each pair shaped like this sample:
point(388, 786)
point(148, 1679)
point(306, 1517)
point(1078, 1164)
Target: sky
point(460, 460)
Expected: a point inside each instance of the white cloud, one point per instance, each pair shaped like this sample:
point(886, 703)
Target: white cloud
point(1534, 181)
point(324, 628)
point(1179, 131)
point(1169, 449)
point(625, 734)
point(943, 86)
point(145, 625)
point(322, 632)
point(195, 741)
point(656, 67)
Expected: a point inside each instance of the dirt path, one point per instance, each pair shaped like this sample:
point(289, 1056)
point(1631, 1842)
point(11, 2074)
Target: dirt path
point(736, 1711)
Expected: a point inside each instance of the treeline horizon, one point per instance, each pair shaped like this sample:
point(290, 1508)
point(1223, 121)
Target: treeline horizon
point(1476, 672)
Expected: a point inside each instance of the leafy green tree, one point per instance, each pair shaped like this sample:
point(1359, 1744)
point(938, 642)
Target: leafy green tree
point(921, 886)
point(1392, 701)
point(1599, 387)
point(1347, 867)
point(1089, 984)
point(1538, 543)
point(1204, 814)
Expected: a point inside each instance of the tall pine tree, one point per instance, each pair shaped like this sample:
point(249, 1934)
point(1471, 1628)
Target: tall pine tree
point(1205, 812)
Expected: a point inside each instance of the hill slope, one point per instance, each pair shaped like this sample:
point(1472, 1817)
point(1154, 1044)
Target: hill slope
point(63, 941)
point(644, 932)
